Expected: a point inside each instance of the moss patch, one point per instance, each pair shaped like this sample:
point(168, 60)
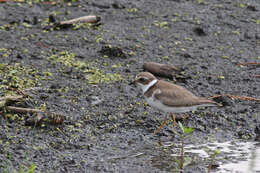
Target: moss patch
point(19, 76)
point(92, 74)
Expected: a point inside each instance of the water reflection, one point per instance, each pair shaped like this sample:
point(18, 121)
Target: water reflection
point(234, 157)
point(251, 165)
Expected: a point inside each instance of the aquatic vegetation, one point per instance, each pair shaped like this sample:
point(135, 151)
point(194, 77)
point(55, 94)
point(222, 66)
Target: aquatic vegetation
point(92, 74)
point(186, 131)
point(19, 76)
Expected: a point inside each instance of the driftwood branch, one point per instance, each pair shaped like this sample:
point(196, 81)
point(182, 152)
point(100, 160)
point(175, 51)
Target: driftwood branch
point(236, 97)
point(8, 99)
point(38, 117)
point(249, 63)
point(22, 110)
point(257, 76)
point(162, 70)
point(84, 19)
point(45, 118)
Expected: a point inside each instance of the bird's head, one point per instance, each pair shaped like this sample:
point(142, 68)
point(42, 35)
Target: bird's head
point(144, 81)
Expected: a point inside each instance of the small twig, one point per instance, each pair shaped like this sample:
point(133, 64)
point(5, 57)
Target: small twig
point(49, 2)
point(18, 91)
point(249, 63)
point(182, 154)
point(216, 152)
point(39, 117)
point(210, 165)
point(84, 19)
point(257, 75)
point(161, 126)
point(45, 118)
point(41, 44)
point(7, 99)
point(174, 124)
point(137, 154)
point(22, 110)
point(236, 97)
point(244, 98)
point(11, 98)
point(186, 131)
point(35, 89)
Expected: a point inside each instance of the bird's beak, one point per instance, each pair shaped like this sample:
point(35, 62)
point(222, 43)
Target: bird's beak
point(133, 82)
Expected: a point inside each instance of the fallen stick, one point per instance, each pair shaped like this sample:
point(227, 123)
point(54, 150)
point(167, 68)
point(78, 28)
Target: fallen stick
point(49, 2)
point(249, 63)
point(22, 110)
point(45, 118)
point(236, 97)
point(163, 70)
point(18, 91)
point(40, 117)
point(257, 76)
point(84, 19)
point(8, 99)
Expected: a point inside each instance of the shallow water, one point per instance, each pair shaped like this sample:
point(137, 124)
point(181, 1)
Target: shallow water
point(251, 165)
point(233, 157)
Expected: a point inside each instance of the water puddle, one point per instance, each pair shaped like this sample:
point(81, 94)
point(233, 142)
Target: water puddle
point(234, 157)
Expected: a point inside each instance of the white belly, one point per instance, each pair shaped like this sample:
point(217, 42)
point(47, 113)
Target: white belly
point(157, 104)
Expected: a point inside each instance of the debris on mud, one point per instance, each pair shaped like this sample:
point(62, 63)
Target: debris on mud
point(44, 118)
point(84, 19)
point(162, 70)
point(249, 63)
point(7, 100)
point(236, 97)
point(37, 117)
point(82, 71)
point(112, 51)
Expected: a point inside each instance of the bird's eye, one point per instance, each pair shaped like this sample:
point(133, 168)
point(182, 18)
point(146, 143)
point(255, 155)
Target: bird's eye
point(142, 79)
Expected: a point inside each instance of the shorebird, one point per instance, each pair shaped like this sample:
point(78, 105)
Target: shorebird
point(169, 97)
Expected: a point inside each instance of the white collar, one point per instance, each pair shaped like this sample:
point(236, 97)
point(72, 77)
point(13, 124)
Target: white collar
point(146, 88)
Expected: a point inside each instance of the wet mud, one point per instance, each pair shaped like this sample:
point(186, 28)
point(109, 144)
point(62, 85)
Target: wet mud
point(83, 73)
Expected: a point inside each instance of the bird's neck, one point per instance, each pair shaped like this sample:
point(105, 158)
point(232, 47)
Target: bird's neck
point(147, 87)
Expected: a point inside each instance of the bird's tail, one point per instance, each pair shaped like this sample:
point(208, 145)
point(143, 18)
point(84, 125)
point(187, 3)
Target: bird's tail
point(207, 102)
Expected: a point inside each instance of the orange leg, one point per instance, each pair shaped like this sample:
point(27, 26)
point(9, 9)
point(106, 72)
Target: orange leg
point(174, 123)
point(163, 124)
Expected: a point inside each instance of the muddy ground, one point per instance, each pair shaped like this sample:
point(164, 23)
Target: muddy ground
point(83, 72)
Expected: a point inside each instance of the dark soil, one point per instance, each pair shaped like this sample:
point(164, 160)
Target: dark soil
point(83, 72)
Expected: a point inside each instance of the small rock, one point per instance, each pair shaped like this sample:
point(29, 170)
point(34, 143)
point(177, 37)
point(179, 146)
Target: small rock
point(101, 6)
point(248, 35)
point(251, 8)
point(214, 81)
point(43, 96)
point(35, 20)
point(19, 56)
point(187, 55)
point(52, 19)
point(117, 5)
point(55, 86)
point(257, 133)
point(1, 148)
point(112, 51)
point(199, 31)
point(94, 100)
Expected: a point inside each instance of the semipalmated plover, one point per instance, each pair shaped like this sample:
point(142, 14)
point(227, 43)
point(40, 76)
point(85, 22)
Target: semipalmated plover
point(169, 97)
